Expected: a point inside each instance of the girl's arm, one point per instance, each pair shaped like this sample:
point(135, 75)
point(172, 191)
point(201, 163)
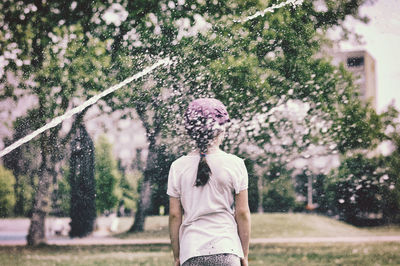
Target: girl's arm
point(175, 221)
point(242, 217)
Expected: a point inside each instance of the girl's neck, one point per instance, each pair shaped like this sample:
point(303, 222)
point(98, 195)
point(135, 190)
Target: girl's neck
point(213, 149)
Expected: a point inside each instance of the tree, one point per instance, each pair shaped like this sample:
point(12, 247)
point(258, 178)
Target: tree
point(51, 57)
point(215, 57)
point(254, 196)
point(366, 182)
point(24, 164)
point(82, 184)
point(359, 188)
point(130, 186)
point(391, 195)
point(159, 197)
point(7, 196)
point(62, 196)
point(107, 176)
point(262, 63)
point(279, 194)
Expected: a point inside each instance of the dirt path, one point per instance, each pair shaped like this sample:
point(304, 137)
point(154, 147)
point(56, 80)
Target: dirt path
point(13, 233)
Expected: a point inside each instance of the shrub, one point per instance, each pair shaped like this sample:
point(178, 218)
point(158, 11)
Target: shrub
point(279, 196)
point(7, 195)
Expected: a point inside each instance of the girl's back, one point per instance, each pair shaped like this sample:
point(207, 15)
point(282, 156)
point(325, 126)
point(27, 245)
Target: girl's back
point(209, 225)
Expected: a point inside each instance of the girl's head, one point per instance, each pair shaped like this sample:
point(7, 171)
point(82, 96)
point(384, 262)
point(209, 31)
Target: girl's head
point(205, 120)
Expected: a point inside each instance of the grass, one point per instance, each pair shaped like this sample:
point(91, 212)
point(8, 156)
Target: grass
point(263, 225)
point(86, 255)
point(326, 254)
point(272, 225)
point(155, 227)
point(281, 254)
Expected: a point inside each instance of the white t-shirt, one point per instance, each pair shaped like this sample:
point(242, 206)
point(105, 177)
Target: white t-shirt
point(208, 226)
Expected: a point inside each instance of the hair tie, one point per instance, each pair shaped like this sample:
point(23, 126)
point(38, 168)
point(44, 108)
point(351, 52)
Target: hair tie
point(202, 155)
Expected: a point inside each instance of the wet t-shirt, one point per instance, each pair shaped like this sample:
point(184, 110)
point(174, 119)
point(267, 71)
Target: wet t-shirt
point(208, 226)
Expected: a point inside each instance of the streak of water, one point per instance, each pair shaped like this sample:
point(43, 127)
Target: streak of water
point(147, 70)
point(89, 102)
point(270, 9)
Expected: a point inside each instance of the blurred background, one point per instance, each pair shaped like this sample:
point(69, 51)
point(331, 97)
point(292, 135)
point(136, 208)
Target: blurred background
point(312, 89)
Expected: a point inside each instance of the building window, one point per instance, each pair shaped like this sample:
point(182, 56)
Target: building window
point(355, 61)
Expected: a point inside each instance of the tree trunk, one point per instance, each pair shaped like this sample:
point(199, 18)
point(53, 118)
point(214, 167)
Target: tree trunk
point(37, 234)
point(144, 202)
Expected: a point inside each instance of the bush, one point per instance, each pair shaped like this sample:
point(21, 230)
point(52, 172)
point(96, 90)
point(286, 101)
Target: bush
point(24, 195)
point(7, 195)
point(82, 184)
point(279, 196)
point(62, 195)
point(159, 197)
point(361, 188)
point(107, 177)
point(253, 186)
point(129, 185)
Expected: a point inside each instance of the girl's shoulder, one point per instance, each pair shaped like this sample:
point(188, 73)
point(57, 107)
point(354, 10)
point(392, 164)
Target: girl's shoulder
point(220, 155)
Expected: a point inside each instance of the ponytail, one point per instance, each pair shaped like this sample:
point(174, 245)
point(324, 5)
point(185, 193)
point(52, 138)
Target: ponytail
point(204, 120)
point(203, 171)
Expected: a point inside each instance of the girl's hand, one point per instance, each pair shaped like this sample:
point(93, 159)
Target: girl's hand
point(244, 261)
point(177, 263)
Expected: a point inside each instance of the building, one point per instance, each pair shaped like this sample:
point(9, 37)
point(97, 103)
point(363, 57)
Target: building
point(362, 64)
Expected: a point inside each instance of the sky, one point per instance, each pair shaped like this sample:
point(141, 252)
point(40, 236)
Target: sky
point(381, 37)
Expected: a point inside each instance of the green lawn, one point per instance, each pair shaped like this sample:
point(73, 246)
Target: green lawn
point(86, 255)
point(326, 254)
point(263, 225)
point(282, 254)
point(273, 225)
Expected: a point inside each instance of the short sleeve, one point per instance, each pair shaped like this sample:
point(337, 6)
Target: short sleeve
point(242, 178)
point(173, 189)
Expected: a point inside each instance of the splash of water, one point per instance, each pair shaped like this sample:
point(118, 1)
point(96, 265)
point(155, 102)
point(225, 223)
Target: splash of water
point(144, 72)
point(80, 108)
point(270, 9)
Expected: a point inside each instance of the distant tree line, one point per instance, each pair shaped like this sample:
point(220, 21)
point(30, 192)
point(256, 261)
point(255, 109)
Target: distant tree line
point(364, 190)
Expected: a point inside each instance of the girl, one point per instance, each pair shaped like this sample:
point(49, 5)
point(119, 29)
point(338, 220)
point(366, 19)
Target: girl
point(210, 187)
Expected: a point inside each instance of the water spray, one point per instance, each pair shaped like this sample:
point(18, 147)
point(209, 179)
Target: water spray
point(270, 9)
point(94, 99)
point(57, 120)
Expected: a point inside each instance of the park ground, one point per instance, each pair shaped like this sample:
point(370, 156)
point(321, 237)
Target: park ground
point(294, 239)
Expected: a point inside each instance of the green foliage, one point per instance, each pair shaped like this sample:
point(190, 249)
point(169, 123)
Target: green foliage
point(7, 195)
point(279, 194)
point(253, 186)
point(322, 191)
point(278, 199)
point(64, 190)
point(24, 163)
point(160, 199)
point(359, 125)
point(391, 195)
point(107, 176)
point(24, 191)
point(359, 188)
point(252, 67)
point(82, 184)
point(61, 203)
point(129, 185)
point(366, 183)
